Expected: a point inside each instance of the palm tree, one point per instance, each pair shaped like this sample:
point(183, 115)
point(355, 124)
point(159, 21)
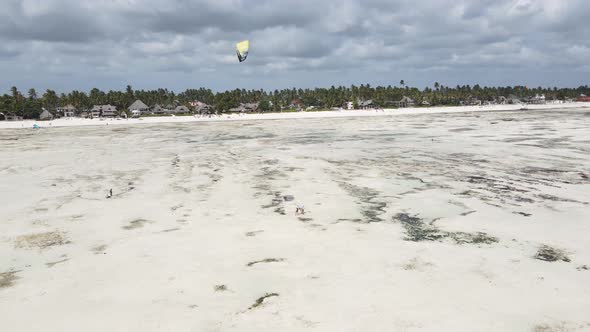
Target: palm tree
point(14, 92)
point(32, 94)
point(17, 101)
point(130, 96)
point(50, 99)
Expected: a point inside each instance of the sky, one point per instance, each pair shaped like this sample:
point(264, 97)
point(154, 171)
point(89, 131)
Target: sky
point(69, 45)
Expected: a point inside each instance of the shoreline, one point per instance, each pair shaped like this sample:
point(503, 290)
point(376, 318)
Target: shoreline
point(79, 122)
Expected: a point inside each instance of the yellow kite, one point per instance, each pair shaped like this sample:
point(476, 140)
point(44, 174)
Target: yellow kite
point(242, 50)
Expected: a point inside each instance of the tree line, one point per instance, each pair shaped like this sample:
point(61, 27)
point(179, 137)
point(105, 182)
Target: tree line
point(29, 105)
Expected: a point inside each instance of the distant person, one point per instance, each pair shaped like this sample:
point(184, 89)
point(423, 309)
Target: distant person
point(300, 209)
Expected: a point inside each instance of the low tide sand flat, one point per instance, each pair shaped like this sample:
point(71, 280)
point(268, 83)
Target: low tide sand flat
point(460, 221)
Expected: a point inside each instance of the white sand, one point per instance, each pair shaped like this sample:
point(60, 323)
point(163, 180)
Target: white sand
point(194, 203)
point(68, 122)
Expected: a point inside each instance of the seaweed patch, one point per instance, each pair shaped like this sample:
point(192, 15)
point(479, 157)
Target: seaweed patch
point(266, 260)
point(549, 254)
point(260, 301)
point(7, 279)
point(137, 223)
point(41, 240)
point(417, 230)
point(220, 288)
point(371, 207)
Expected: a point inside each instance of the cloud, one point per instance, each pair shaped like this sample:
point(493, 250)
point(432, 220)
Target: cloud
point(187, 43)
point(49, 20)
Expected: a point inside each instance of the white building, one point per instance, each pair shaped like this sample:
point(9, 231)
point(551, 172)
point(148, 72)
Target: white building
point(67, 111)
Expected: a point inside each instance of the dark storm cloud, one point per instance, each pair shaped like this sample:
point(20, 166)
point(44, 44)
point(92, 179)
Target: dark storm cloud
point(235, 16)
point(154, 41)
point(54, 24)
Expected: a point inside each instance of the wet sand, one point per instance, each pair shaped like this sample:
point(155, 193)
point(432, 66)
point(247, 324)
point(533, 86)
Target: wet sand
point(421, 222)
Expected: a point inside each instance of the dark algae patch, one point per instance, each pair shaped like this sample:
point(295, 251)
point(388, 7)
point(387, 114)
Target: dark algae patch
point(52, 264)
point(220, 288)
point(260, 300)
point(371, 207)
point(549, 254)
point(276, 203)
point(417, 230)
point(7, 279)
point(266, 260)
point(472, 238)
point(137, 223)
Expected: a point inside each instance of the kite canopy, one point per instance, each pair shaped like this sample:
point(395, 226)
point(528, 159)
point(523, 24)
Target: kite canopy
point(242, 50)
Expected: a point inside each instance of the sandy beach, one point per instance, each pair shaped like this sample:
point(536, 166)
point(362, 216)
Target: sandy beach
point(454, 219)
point(76, 122)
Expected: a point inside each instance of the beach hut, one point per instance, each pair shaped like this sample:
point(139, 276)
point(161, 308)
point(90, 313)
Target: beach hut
point(250, 107)
point(404, 102)
point(538, 99)
point(202, 108)
point(366, 104)
point(181, 110)
point(106, 111)
point(109, 111)
point(138, 105)
point(513, 99)
point(157, 109)
point(239, 109)
point(244, 108)
point(12, 117)
point(296, 104)
point(45, 115)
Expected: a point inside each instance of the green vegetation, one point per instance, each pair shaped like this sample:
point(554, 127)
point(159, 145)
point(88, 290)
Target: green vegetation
point(264, 106)
point(30, 105)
